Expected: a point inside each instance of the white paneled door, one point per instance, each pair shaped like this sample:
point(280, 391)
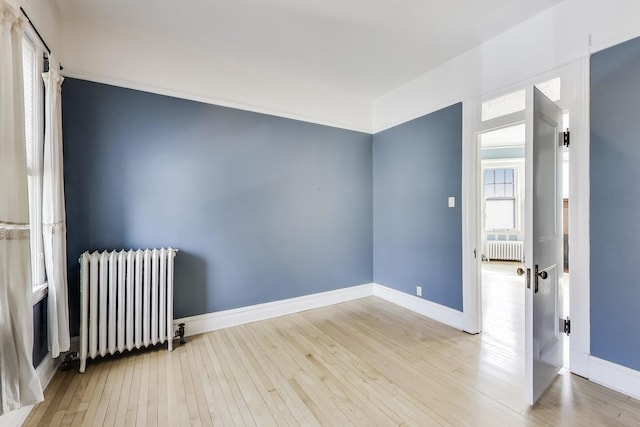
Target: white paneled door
point(543, 244)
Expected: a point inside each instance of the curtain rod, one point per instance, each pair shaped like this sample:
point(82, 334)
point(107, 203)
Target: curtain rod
point(36, 30)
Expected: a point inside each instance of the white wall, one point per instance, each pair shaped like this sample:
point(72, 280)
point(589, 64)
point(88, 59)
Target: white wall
point(45, 17)
point(557, 36)
point(128, 60)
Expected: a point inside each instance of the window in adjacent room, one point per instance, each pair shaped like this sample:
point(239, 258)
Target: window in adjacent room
point(500, 199)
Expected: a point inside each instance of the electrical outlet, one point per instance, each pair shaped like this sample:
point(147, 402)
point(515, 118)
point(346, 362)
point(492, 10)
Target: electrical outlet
point(419, 291)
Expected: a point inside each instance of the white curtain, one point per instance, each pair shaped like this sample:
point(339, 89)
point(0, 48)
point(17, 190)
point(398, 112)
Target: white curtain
point(19, 384)
point(53, 213)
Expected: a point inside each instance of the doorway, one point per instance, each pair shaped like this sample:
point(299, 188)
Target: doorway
point(500, 140)
point(502, 184)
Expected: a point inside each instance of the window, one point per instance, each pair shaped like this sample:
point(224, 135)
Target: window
point(33, 65)
point(503, 105)
point(500, 199)
point(515, 101)
point(551, 89)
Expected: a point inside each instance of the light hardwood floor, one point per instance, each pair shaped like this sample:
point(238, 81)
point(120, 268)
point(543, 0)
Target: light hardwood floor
point(365, 362)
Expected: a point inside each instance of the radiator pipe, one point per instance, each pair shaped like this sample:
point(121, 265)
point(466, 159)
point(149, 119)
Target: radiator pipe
point(180, 333)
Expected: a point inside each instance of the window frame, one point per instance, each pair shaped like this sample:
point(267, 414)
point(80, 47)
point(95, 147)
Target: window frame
point(513, 198)
point(34, 47)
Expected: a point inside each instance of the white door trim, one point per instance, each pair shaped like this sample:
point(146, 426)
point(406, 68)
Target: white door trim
point(575, 98)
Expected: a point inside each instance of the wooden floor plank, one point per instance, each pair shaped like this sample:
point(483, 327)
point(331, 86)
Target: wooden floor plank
point(152, 400)
point(357, 375)
point(364, 362)
point(261, 349)
point(228, 366)
point(162, 410)
point(198, 378)
point(180, 395)
point(220, 414)
point(102, 372)
point(311, 389)
point(52, 396)
point(125, 391)
point(117, 381)
point(172, 398)
point(223, 389)
point(132, 405)
point(279, 413)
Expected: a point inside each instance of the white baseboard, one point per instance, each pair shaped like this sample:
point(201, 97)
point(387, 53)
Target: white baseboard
point(224, 319)
point(432, 310)
point(614, 376)
point(227, 318)
point(45, 370)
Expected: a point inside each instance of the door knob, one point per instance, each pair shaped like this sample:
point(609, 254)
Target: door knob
point(521, 272)
point(541, 274)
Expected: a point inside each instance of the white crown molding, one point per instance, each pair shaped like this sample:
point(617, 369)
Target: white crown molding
point(181, 94)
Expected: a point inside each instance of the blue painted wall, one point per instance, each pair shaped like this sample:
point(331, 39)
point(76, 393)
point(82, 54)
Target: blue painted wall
point(417, 238)
point(615, 204)
point(40, 338)
point(262, 208)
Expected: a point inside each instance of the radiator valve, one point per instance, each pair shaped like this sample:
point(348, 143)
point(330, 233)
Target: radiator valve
point(180, 333)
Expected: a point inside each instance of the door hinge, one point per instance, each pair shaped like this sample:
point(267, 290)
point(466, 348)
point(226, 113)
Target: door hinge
point(565, 326)
point(475, 254)
point(566, 137)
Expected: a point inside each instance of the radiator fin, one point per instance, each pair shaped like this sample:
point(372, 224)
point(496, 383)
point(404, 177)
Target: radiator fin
point(505, 250)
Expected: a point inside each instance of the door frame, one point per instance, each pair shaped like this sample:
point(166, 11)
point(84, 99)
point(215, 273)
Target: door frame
point(575, 98)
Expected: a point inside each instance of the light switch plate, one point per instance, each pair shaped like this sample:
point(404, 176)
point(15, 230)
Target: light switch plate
point(452, 202)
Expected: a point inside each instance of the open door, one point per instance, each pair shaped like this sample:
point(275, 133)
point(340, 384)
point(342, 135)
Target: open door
point(543, 244)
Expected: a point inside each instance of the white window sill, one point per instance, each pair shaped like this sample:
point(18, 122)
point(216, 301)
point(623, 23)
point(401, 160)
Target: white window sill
point(40, 292)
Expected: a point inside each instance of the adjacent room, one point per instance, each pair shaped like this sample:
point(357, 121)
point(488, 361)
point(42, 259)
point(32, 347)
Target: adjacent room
point(293, 213)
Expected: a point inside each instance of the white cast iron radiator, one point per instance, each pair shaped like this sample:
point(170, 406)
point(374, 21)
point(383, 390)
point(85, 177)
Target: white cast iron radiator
point(505, 250)
point(126, 301)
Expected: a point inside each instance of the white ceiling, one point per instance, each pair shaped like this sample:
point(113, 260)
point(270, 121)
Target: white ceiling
point(362, 47)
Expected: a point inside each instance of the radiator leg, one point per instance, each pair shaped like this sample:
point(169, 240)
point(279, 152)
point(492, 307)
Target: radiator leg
point(83, 364)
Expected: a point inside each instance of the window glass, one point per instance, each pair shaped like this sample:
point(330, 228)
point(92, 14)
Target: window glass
point(500, 199)
point(515, 101)
point(508, 190)
point(32, 64)
point(503, 105)
point(500, 214)
point(551, 88)
point(28, 67)
point(508, 175)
